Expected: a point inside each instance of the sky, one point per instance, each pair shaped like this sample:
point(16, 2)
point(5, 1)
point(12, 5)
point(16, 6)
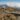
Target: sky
point(9, 0)
point(11, 3)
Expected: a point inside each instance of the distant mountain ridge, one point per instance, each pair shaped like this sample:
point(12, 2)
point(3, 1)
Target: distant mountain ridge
point(3, 6)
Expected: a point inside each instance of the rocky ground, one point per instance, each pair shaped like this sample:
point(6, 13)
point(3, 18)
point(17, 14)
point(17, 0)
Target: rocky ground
point(7, 17)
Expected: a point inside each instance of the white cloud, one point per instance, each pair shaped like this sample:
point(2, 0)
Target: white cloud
point(18, 5)
point(11, 4)
point(8, 3)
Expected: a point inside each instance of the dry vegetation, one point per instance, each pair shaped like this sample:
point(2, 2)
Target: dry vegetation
point(10, 9)
point(7, 16)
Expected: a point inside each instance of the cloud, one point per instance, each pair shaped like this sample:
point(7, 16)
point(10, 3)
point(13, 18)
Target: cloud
point(18, 5)
point(11, 4)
